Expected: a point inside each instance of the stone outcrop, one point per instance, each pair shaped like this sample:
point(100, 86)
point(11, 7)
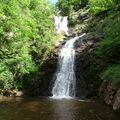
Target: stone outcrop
point(42, 84)
point(116, 104)
point(10, 93)
point(87, 83)
point(110, 93)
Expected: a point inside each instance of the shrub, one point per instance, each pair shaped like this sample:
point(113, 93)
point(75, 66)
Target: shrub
point(97, 6)
point(26, 28)
point(112, 73)
point(109, 47)
point(67, 6)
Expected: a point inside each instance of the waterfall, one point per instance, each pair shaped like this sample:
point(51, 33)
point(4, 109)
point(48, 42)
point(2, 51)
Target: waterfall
point(64, 86)
point(61, 24)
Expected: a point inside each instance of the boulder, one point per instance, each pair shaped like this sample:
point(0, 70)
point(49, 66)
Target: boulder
point(116, 105)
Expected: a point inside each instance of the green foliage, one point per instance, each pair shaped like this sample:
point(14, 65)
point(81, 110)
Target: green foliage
point(112, 73)
point(6, 77)
point(97, 6)
point(110, 45)
point(26, 35)
point(67, 6)
point(109, 48)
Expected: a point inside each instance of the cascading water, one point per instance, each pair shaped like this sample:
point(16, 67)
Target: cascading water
point(64, 86)
point(61, 24)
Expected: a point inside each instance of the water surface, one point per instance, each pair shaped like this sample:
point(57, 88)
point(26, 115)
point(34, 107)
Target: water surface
point(44, 108)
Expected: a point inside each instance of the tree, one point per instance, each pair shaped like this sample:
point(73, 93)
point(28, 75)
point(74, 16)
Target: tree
point(67, 5)
point(26, 31)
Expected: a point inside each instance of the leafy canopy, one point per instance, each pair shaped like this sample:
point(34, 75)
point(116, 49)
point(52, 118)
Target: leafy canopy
point(26, 36)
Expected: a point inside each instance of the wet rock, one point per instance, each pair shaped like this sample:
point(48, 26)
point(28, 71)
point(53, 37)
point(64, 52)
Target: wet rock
point(86, 78)
point(19, 93)
point(84, 16)
point(110, 93)
point(42, 84)
point(107, 92)
point(1, 97)
point(116, 105)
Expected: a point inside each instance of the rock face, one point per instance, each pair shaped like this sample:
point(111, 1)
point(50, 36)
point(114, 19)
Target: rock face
point(116, 105)
point(10, 93)
point(110, 94)
point(87, 83)
point(42, 84)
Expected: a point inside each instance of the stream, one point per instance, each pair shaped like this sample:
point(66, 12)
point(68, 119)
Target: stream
point(45, 108)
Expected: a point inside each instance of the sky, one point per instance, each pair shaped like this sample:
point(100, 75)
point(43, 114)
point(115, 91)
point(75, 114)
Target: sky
point(53, 1)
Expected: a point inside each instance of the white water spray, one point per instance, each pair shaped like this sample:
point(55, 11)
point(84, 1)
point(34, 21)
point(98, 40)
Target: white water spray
point(61, 24)
point(64, 86)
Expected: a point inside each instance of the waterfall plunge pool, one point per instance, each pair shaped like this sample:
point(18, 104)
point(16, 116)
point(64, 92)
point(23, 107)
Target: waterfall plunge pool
point(45, 108)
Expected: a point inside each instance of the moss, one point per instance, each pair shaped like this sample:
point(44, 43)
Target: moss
point(112, 73)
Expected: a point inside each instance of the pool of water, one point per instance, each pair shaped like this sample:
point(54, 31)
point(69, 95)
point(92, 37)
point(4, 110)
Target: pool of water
point(44, 108)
